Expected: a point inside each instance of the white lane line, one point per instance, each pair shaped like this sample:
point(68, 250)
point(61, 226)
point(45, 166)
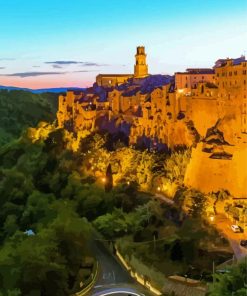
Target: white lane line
point(123, 292)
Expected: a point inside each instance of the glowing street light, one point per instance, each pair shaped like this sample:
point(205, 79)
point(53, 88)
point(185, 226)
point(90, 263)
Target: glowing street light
point(103, 179)
point(158, 188)
point(128, 182)
point(211, 218)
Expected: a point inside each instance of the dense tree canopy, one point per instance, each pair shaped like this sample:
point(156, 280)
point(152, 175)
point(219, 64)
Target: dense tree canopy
point(21, 109)
point(232, 283)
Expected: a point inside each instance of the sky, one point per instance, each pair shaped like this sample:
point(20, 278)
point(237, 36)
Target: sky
point(66, 43)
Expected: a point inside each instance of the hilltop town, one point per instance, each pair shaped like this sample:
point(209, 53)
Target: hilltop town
point(203, 108)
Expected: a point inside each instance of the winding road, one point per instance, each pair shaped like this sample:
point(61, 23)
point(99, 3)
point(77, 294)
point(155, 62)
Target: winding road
point(113, 278)
point(224, 225)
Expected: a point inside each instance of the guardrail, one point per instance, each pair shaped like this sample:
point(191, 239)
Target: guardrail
point(91, 284)
point(139, 278)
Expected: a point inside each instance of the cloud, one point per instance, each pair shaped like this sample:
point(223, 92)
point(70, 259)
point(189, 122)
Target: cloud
point(57, 66)
point(84, 64)
point(90, 64)
point(32, 74)
point(82, 71)
point(36, 66)
point(2, 67)
point(63, 63)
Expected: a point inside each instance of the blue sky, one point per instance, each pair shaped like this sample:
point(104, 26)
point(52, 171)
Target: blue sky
point(101, 37)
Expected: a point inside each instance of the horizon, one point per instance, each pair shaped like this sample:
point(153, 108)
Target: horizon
point(52, 45)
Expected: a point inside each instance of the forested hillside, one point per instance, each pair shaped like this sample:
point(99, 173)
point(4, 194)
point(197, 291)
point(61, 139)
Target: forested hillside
point(21, 109)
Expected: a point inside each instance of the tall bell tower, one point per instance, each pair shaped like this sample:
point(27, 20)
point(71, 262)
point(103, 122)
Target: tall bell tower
point(141, 68)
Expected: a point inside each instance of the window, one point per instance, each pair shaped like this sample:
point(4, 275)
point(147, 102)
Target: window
point(244, 72)
point(230, 73)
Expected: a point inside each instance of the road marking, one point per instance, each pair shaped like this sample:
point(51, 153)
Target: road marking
point(123, 292)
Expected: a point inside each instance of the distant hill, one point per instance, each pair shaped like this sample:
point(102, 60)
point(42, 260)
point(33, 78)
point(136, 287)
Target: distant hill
point(41, 90)
point(20, 109)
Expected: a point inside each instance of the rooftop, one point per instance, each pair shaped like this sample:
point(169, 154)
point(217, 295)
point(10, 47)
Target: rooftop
point(236, 61)
point(197, 71)
point(113, 75)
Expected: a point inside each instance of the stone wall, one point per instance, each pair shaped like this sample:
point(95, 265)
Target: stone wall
point(210, 175)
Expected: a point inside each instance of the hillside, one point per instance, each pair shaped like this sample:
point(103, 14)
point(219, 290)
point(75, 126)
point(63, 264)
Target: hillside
point(40, 90)
point(21, 109)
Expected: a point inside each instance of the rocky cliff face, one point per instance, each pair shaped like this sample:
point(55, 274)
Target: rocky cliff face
point(151, 113)
point(219, 161)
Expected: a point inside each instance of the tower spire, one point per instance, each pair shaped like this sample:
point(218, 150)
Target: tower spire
point(141, 68)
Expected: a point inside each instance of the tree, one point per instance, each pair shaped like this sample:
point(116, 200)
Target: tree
point(10, 226)
point(176, 251)
point(112, 225)
point(46, 263)
point(221, 195)
point(175, 166)
point(232, 283)
point(38, 210)
point(109, 179)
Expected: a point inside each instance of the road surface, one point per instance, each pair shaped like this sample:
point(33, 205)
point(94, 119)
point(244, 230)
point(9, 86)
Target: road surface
point(113, 278)
point(164, 198)
point(223, 224)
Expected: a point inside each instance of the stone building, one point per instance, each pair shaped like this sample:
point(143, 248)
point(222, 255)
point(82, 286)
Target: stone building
point(206, 107)
point(220, 160)
point(140, 71)
point(189, 79)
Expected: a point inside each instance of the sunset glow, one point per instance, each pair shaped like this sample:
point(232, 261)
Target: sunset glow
point(92, 37)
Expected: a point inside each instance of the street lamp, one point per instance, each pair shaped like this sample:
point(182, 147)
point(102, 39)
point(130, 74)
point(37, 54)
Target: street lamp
point(158, 188)
point(211, 218)
point(103, 179)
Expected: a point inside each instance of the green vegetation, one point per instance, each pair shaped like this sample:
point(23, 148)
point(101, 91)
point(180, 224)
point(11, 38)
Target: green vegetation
point(232, 283)
point(21, 109)
point(47, 262)
point(58, 196)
